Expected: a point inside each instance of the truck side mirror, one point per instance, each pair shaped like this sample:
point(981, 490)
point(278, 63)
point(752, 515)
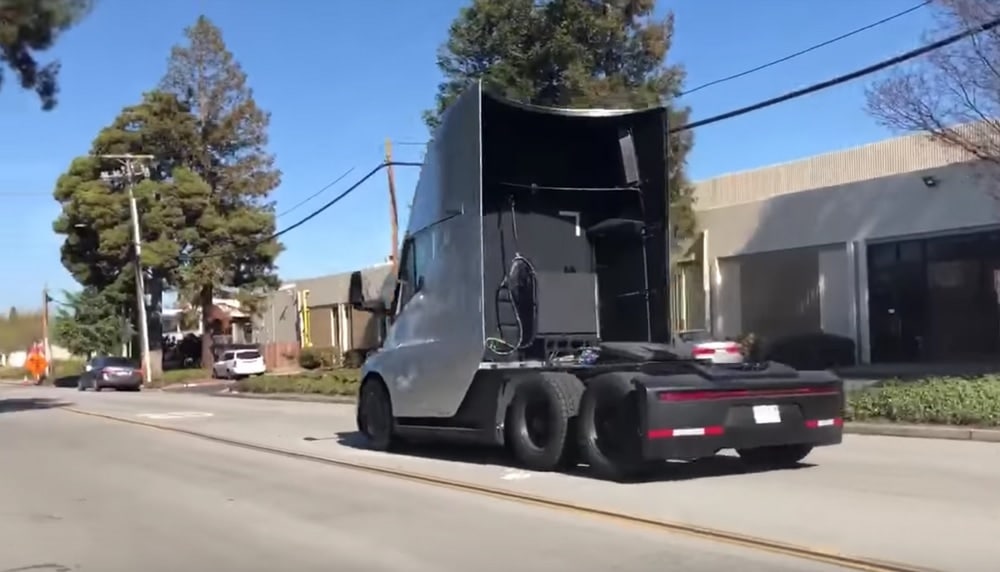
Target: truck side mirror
point(356, 296)
point(356, 292)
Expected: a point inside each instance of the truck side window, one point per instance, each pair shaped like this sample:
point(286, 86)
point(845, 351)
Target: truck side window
point(423, 251)
point(407, 275)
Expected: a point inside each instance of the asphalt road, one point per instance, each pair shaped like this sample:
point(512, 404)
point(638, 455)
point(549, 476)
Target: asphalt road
point(929, 503)
point(79, 494)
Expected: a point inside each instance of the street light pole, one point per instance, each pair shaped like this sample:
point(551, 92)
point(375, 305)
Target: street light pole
point(130, 163)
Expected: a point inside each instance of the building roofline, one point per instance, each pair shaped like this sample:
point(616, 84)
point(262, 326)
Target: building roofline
point(895, 156)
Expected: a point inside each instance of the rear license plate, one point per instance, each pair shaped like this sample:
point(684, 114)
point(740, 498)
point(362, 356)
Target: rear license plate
point(766, 414)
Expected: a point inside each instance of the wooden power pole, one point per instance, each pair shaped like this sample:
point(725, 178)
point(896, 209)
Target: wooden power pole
point(393, 213)
point(46, 347)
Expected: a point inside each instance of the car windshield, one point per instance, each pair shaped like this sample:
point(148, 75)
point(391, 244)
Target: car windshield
point(250, 354)
point(117, 362)
point(694, 336)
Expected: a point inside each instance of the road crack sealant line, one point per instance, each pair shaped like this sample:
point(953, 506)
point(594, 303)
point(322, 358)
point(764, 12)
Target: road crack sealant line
point(703, 533)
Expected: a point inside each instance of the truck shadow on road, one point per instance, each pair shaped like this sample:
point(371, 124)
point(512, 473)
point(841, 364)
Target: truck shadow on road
point(15, 404)
point(717, 466)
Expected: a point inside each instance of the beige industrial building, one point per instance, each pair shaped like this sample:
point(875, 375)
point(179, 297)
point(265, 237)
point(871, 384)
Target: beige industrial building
point(895, 245)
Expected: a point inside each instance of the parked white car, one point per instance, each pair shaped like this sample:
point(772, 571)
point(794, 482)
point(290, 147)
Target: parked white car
point(700, 345)
point(239, 363)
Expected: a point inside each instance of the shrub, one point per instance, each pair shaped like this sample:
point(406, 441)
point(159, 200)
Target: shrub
point(816, 350)
point(354, 359)
point(328, 357)
point(941, 400)
point(340, 382)
point(309, 358)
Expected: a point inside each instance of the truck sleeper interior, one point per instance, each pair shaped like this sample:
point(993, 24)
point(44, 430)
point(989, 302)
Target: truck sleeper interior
point(574, 232)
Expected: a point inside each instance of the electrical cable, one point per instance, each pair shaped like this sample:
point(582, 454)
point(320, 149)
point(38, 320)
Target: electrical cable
point(499, 345)
point(309, 216)
point(806, 50)
point(316, 194)
point(915, 53)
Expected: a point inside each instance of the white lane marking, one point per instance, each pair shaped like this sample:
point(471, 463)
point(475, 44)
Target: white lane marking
point(515, 475)
point(175, 415)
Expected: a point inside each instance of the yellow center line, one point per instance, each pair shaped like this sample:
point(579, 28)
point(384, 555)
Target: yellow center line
point(813, 554)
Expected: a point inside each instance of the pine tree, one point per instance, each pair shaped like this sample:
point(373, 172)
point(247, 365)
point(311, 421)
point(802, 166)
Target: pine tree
point(97, 249)
point(231, 245)
point(572, 53)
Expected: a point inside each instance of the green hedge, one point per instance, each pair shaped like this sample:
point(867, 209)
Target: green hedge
point(338, 382)
point(937, 400)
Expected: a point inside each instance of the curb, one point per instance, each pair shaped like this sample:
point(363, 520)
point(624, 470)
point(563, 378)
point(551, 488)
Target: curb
point(924, 432)
point(177, 386)
point(299, 397)
point(850, 428)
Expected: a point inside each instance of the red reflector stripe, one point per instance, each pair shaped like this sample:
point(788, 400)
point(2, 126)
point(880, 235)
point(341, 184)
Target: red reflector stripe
point(744, 393)
point(713, 431)
point(817, 423)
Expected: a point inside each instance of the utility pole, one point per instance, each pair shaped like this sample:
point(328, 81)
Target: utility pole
point(45, 330)
point(393, 213)
point(133, 165)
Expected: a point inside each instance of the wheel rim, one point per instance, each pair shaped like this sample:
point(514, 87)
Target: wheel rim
point(374, 415)
point(611, 428)
point(537, 423)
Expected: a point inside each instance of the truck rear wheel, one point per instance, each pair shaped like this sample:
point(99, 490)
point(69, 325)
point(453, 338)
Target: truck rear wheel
point(375, 419)
point(608, 435)
point(779, 456)
point(539, 420)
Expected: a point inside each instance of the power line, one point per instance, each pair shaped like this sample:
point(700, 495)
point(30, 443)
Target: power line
point(311, 215)
point(806, 50)
point(25, 194)
point(693, 125)
point(316, 194)
point(843, 78)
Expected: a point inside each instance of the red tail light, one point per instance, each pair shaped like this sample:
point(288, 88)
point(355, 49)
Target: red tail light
point(707, 351)
point(709, 395)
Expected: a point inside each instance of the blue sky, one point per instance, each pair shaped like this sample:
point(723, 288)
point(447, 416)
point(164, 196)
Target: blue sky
point(340, 76)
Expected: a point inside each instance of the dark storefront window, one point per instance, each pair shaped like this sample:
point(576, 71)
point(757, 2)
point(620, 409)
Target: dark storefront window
point(935, 299)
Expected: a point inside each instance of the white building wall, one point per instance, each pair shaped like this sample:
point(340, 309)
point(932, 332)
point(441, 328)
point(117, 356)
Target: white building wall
point(841, 202)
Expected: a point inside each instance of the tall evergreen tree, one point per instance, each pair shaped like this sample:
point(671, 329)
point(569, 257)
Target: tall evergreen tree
point(31, 26)
point(232, 246)
point(572, 53)
point(97, 249)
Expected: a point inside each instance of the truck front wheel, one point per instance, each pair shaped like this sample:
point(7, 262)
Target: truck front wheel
point(539, 420)
point(608, 435)
point(375, 419)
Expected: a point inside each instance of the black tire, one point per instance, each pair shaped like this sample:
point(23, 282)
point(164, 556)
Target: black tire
point(374, 415)
point(778, 457)
point(607, 430)
point(540, 421)
point(80, 386)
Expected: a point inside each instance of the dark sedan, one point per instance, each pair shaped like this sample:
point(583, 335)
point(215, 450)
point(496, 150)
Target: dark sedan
point(104, 371)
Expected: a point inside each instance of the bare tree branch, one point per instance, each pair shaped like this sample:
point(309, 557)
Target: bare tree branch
point(953, 94)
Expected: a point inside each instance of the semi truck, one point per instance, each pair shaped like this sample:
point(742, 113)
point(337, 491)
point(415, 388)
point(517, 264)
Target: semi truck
point(530, 308)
